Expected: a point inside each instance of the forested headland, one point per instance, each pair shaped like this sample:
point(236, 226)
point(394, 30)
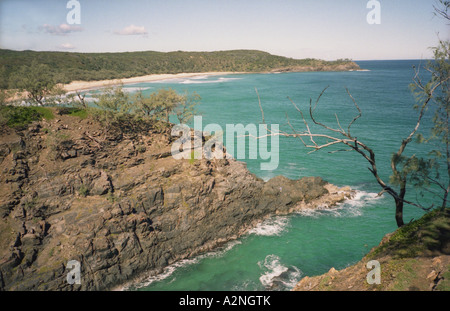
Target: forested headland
point(66, 67)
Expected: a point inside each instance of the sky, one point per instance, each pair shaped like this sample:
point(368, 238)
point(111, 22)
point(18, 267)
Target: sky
point(323, 29)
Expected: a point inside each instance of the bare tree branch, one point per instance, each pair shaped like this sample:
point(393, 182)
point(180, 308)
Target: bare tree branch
point(355, 118)
point(346, 138)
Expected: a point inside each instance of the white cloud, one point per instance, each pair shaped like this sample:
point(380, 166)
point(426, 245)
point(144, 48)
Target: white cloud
point(66, 46)
point(62, 29)
point(132, 30)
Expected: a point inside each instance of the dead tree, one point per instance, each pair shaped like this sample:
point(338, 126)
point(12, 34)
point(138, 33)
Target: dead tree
point(340, 136)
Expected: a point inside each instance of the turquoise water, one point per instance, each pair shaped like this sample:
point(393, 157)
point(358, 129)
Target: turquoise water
point(282, 250)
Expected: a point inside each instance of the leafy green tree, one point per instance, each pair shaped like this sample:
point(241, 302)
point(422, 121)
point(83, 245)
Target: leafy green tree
point(112, 105)
point(77, 100)
point(421, 172)
point(425, 173)
point(4, 95)
point(185, 110)
point(158, 106)
point(339, 135)
point(164, 102)
point(3, 91)
point(36, 80)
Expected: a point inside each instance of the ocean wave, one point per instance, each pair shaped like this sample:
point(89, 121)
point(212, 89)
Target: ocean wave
point(221, 251)
point(197, 81)
point(136, 89)
point(349, 208)
point(169, 270)
point(200, 77)
point(276, 275)
point(272, 226)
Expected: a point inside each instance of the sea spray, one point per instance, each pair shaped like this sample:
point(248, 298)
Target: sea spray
point(171, 269)
point(272, 226)
point(277, 275)
point(349, 208)
point(313, 240)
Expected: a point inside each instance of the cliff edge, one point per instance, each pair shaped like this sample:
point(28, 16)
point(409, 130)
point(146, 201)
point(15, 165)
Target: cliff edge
point(117, 202)
point(415, 257)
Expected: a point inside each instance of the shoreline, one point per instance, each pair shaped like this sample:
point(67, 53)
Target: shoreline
point(335, 196)
point(87, 85)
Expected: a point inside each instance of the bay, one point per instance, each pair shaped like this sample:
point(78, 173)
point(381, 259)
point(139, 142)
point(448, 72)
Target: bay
point(282, 250)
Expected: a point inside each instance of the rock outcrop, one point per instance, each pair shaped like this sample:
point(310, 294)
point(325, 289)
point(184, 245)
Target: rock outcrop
point(416, 257)
point(120, 205)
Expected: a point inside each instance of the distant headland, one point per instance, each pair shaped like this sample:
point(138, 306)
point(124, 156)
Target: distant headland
point(68, 67)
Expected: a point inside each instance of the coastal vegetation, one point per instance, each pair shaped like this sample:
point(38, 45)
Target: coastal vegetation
point(116, 107)
point(20, 117)
point(415, 257)
point(65, 67)
point(37, 78)
point(115, 200)
point(424, 173)
point(113, 108)
point(96, 183)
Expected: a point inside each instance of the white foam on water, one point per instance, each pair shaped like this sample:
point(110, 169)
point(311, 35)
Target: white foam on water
point(278, 274)
point(136, 89)
point(349, 208)
point(293, 278)
point(220, 251)
point(169, 270)
point(362, 198)
point(196, 81)
point(271, 227)
point(200, 77)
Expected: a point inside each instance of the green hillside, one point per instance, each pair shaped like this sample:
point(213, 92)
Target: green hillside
point(67, 66)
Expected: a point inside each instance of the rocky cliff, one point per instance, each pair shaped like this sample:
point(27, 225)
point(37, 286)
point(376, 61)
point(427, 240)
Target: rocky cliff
point(416, 257)
point(118, 203)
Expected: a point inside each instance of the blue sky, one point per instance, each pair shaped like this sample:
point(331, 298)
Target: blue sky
point(325, 29)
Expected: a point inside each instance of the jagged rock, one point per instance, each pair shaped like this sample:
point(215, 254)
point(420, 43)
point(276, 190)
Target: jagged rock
point(119, 209)
point(101, 185)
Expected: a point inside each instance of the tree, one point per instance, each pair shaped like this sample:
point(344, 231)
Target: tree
point(36, 80)
point(164, 102)
point(113, 104)
point(4, 94)
point(401, 165)
point(77, 100)
point(161, 104)
point(339, 136)
point(413, 169)
point(442, 8)
point(185, 111)
point(426, 172)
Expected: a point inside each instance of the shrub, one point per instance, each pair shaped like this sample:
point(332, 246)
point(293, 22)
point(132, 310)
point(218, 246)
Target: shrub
point(19, 117)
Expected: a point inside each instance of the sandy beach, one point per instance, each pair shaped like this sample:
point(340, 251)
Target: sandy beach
point(85, 85)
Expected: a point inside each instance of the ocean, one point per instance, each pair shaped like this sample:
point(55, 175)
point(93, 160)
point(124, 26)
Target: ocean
point(282, 250)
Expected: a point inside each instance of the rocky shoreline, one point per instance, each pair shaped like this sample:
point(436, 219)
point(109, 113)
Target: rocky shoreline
point(121, 206)
point(415, 257)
